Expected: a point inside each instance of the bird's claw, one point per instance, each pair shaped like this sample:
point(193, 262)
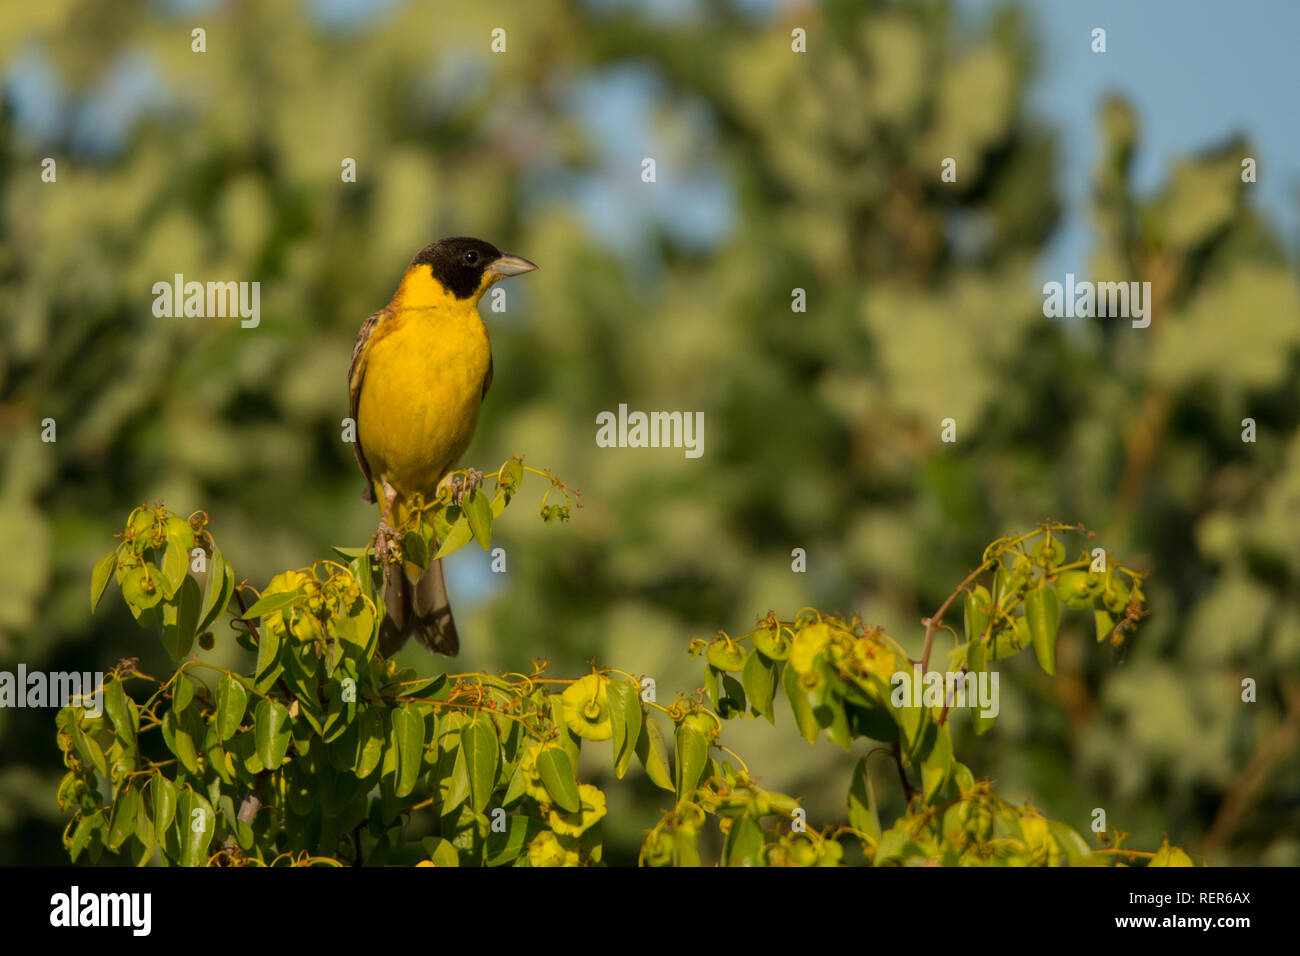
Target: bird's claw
point(384, 544)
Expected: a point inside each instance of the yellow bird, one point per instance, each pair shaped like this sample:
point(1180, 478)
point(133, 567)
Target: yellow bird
point(420, 370)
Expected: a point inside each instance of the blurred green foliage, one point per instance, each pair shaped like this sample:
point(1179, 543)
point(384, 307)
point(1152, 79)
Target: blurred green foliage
point(822, 428)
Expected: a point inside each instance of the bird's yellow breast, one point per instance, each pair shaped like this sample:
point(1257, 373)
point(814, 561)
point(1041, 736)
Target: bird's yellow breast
point(421, 393)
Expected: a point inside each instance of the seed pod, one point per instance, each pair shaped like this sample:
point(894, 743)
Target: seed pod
point(725, 655)
point(1072, 587)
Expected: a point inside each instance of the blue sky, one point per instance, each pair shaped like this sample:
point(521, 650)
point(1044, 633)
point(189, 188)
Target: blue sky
point(1197, 72)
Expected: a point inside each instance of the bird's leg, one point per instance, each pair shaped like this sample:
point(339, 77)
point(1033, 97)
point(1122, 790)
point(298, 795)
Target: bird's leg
point(386, 532)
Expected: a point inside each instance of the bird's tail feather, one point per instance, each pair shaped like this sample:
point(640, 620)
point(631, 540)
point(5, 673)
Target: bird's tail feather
point(420, 610)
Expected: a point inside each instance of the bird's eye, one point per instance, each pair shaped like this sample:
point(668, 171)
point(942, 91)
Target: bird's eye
point(471, 257)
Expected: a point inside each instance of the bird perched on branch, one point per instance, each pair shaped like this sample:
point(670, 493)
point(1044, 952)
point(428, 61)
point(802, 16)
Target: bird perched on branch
point(420, 370)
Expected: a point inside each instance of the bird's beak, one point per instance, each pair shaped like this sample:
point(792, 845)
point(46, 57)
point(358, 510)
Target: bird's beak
point(508, 265)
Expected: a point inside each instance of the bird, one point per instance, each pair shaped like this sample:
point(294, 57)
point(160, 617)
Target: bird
point(420, 370)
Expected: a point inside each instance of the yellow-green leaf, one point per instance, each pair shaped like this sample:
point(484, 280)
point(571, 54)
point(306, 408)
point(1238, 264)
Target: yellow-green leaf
point(457, 537)
point(232, 700)
point(1043, 612)
point(408, 743)
point(271, 732)
point(625, 719)
point(478, 741)
point(272, 603)
point(121, 711)
point(557, 775)
point(197, 825)
point(863, 815)
point(162, 793)
point(99, 578)
point(692, 757)
point(744, 845)
point(804, 718)
point(478, 512)
point(937, 763)
point(217, 592)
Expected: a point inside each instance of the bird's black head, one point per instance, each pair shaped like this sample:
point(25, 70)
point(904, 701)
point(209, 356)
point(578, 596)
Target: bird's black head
point(460, 262)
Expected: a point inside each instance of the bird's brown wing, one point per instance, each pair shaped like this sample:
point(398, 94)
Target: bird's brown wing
point(487, 379)
point(356, 374)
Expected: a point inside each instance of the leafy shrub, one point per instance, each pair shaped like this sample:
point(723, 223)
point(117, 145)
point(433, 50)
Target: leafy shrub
point(326, 753)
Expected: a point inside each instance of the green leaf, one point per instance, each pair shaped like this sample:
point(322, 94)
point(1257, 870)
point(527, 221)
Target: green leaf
point(1043, 612)
point(121, 711)
point(962, 776)
point(454, 782)
point(182, 693)
point(89, 749)
point(272, 603)
point(744, 844)
point(179, 740)
point(268, 668)
point(732, 701)
point(571, 742)
point(653, 754)
point(1001, 586)
point(686, 846)
point(162, 794)
point(415, 549)
point(499, 502)
point(692, 756)
point(1105, 624)
point(1068, 839)
point(441, 851)
point(804, 718)
point(1170, 856)
point(197, 825)
point(977, 659)
point(503, 847)
point(558, 777)
point(217, 592)
point(863, 815)
point(174, 566)
point(937, 764)
point(457, 537)
point(104, 568)
point(976, 604)
point(370, 743)
point(478, 510)
point(625, 719)
point(232, 701)
point(478, 741)
point(759, 678)
point(912, 724)
point(408, 744)
point(271, 731)
point(181, 618)
point(121, 822)
point(517, 786)
point(1008, 642)
point(85, 830)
